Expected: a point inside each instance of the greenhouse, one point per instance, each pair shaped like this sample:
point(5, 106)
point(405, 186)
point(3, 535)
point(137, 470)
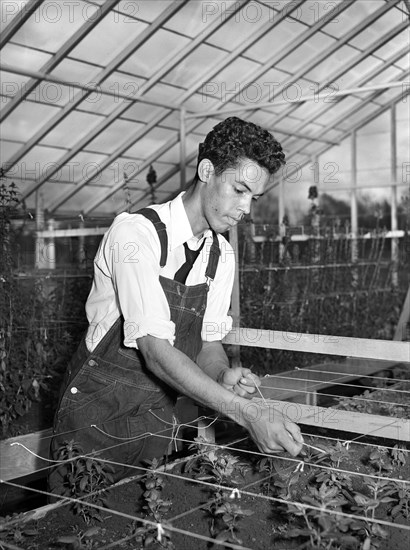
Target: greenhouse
point(204, 268)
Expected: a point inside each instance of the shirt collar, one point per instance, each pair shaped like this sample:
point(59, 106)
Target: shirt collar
point(179, 229)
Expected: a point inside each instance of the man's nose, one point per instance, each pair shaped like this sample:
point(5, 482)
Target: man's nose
point(246, 204)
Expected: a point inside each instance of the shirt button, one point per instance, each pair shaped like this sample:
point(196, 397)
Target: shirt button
point(74, 390)
point(92, 363)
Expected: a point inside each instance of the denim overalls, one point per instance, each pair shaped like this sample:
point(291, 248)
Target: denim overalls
point(108, 394)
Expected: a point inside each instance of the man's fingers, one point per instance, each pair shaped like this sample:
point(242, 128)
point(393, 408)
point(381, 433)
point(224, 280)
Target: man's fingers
point(250, 380)
point(294, 431)
point(243, 392)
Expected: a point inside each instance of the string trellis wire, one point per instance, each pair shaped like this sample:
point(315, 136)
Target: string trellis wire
point(243, 490)
point(174, 437)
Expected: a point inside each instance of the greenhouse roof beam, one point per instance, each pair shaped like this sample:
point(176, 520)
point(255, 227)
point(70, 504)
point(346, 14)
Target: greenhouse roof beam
point(257, 35)
point(284, 13)
point(147, 162)
point(314, 62)
point(102, 75)
point(347, 132)
point(18, 20)
point(162, 71)
point(89, 88)
point(185, 96)
point(163, 179)
point(369, 76)
point(105, 163)
point(348, 36)
point(301, 136)
point(345, 68)
point(59, 56)
point(356, 109)
point(290, 48)
point(311, 97)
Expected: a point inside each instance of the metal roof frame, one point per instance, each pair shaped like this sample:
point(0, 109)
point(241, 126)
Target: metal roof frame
point(189, 94)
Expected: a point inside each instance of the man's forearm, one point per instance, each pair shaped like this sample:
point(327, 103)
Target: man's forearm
point(178, 371)
point(212, 359)
point(269, 429)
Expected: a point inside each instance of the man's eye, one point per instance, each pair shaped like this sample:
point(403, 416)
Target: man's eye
point(239, 191)
point(255, 198)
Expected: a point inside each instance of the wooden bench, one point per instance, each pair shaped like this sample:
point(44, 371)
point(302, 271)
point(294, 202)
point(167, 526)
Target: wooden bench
point(16, 461)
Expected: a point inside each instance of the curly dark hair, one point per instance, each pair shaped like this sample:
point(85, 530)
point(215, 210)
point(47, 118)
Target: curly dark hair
point(233, 139)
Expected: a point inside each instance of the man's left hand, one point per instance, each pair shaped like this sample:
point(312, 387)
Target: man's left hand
point(240, 381)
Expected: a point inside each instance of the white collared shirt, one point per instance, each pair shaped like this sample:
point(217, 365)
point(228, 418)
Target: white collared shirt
point(126, 277)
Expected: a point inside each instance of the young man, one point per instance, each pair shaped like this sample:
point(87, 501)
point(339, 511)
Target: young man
point(156, 319)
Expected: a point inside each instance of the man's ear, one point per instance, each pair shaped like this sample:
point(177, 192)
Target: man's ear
point(205, 170)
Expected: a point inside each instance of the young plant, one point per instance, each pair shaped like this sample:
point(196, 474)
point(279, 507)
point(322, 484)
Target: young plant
point(285, 484)
point(266, 464)
point(12, 528)
point(323, 530)
point(153, 484)
point(398, 455)
point(400, 493)
point(86, 478)
point(342, 481)
point(221, 468)
point(156, 508)
point(230, 513)
point(211, 464)
point(380, 459)
point(81, 540)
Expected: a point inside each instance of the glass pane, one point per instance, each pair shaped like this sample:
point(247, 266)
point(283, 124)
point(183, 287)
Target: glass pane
point(23, 58)
point(10, 9)
point(53, 23)
point(114, 136)
point(156, 51)
point(306, 53)
point(198, 63)
point(71, 129)
point(373, 32)
point(151, 142)
point(274, 41)
point(243, 23)
point(25, 120)
point(107, 39)
point(350, 17)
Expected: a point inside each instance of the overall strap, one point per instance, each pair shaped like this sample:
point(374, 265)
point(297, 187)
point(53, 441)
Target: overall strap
point(153, 217)
point(214, 254)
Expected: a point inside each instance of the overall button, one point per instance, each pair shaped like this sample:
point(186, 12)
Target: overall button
point(92, 363)
point(73, 390)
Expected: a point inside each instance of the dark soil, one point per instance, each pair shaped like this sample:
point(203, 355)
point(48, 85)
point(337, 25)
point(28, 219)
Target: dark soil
point(263, 530)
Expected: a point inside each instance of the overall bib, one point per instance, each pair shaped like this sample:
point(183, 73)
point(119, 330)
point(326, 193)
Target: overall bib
point(109, 393)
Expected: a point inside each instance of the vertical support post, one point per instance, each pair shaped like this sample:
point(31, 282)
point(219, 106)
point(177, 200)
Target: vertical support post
point(182, 146)
point(393, 171)
point(51, 247)
point(235, 300)
point(281, 214)
point(40, 252)
point(81, 246)
point(353, 199)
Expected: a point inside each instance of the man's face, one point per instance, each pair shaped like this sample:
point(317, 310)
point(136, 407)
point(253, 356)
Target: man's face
point(228, 196)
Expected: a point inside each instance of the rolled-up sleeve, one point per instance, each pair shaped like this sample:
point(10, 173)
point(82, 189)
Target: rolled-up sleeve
point(132, 254)
point(217, 323)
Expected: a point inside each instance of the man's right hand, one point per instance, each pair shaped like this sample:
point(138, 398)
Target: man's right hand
point(271, 430)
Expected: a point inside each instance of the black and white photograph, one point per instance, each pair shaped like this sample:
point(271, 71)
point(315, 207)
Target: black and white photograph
point(204, 274)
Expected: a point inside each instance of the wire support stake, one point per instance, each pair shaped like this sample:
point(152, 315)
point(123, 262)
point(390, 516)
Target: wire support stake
point(315, 448)
point(300, 467)
point(346, 444)
point(160, 532)
point(235, 493)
